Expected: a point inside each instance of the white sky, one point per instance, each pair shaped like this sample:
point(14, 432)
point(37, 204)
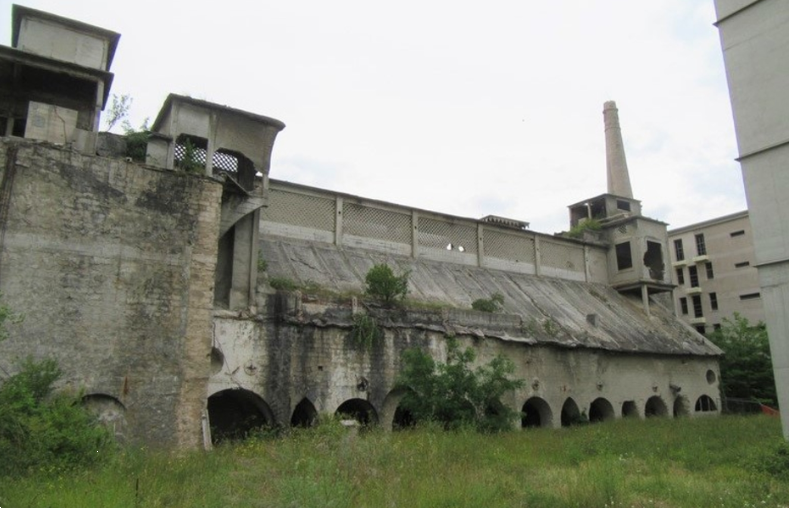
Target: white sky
point(462, 107)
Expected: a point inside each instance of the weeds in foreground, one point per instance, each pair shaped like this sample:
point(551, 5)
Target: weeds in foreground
point(704, 462)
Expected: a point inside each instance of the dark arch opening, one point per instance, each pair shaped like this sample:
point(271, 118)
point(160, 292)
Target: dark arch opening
point(536, 413)
point(360, 410)
point(571, 415)
point(681, 407)
point(601, 410)
point(304, 414)
point(655, 407)
point(629, 409)
point(403, 419)
point(705, 404)
point(233, 414)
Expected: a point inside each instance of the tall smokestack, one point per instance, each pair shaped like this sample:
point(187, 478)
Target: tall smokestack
point(616, 164)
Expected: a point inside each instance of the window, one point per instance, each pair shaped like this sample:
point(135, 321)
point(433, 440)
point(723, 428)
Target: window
point(710, 273)
point(680, 276)
point(623, 205)
point(737, 233)
point(750, 296)
point(700, 329)
point(678, 250)
point(714, 301)
point(683, 305)
point(701, 247)
point(742, 264)
point(693, 273)
point(653, 259)
point(716, 326)
point(624, 258)
point(697, 310)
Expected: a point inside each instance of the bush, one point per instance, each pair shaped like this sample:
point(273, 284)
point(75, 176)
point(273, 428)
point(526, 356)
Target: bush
point(583, 225)
point(365, 331)
point(384, 285)
point(41, 430)
point(282, 283)
point(492, 304)
point(746, 366)
point(454, 395)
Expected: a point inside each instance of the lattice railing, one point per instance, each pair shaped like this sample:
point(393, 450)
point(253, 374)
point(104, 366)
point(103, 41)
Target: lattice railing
point(298, 209)
point(376, 223)
point(508, 246)
point(445, 235)
point(560, 255)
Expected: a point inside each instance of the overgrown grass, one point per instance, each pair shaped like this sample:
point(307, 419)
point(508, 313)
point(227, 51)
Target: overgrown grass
point(705, 462)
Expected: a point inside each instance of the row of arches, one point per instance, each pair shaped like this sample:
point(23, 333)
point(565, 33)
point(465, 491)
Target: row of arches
point(235, 413)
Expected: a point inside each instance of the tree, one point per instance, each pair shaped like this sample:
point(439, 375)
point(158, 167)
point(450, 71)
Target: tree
point(453, 394)
point(746, 367)
point(118, 110)
point(384, 285)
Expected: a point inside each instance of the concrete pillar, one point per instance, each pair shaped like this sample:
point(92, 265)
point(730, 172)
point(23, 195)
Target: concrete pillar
point(338, 204)
point(242, 262)
point(537, 255)
point(414, 234)
point(616, 164)
point(480, 246)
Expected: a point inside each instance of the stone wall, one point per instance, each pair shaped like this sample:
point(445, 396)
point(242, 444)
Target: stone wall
point(112, 265)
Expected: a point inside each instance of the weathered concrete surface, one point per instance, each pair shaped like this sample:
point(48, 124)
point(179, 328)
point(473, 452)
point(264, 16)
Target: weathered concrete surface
point(112, 265)
point(621, 323)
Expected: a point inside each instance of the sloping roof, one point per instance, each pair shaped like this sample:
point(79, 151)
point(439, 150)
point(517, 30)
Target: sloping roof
point(622, 325)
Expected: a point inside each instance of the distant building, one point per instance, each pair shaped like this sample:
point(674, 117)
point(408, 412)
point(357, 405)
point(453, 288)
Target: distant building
point(713, 268)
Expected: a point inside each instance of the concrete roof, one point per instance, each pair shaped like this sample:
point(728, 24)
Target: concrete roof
point(622, 325)
point(211, 105)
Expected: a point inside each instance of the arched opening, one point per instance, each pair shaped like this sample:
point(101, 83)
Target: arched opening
point(655, 407)
point(360, 410)
point(629, 409)
point(705, 404)
point(304, 414)
point(237, 165)
point(571, 415)
point(109, 412)
point(601, 410)
point(681, 407)
point(233, 414)
point(536, 413)
point(403, 419)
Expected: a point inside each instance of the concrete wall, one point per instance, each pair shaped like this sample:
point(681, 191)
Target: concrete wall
point(306, 351)
point(112, 265)
point(755, 41)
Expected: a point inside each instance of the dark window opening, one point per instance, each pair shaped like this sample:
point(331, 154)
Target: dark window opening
point(655, 407)
point(304, 414)
point(19, 126)
point(629, 409)
point(653, 259)
point(697, 310)
point(571, 415)
point(742, 264)
point(679, 251)
point(359, 410)
point(737, 233)
point(624, 257)
point(403, 419)
point(623, 205)
point(601, 410)
point(710, 273)
point(716, 326)
point(223, 275)
point(750, 296)
point(714, 301)
point(680, 276)
point(234, 414)
point(700, 329)
point(701, 247)
point(536, 413)
point(190, 153)
point(683, 304)
point(693, 273)
point(705, 404)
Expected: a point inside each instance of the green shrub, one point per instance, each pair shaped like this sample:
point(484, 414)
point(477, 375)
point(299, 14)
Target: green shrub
point(365, 331)
point(383, 285)
point(453, 394)
point(583, 225)
point(282, 283)
point(137, 145)
point(492, 304)
point(42, 430)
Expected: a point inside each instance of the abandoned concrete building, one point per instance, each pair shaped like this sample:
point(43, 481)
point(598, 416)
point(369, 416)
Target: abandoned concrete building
point(151, 281)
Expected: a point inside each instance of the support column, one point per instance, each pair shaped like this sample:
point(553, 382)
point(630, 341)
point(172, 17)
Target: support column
point(338, 205)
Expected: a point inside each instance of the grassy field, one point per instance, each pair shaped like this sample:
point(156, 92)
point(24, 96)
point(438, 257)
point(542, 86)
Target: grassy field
point(707, 462)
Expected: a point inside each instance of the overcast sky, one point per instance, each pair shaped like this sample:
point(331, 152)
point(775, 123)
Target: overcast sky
point(467, 108)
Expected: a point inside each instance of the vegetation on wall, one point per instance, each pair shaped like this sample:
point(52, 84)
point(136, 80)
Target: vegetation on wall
point(584, 225)
point(382, 284)
point(492, 304)
point(365, 331)
point(746, 366)
point(453, 394)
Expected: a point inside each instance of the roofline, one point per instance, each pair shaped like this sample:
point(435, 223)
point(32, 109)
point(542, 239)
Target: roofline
point(604, 195)
point(710, 222)
point(279, 125)
point(18, 12)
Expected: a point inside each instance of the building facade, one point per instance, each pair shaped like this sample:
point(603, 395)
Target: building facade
point(713, 266)
point(755, 41)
